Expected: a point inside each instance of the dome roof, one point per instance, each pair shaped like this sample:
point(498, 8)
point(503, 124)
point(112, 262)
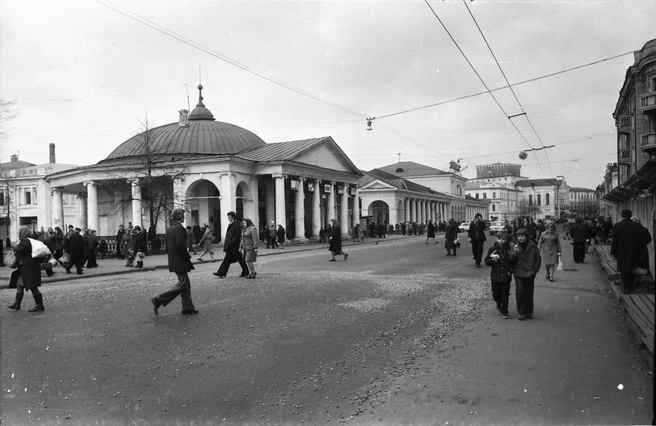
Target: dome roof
point(200, 135)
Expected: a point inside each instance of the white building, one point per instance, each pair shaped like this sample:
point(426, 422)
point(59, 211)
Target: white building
point(25, 197)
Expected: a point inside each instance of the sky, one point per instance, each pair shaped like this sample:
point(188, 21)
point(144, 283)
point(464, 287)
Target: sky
point(87, 74)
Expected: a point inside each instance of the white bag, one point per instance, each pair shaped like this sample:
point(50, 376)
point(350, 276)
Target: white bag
point(560, 264)
point(39, 249)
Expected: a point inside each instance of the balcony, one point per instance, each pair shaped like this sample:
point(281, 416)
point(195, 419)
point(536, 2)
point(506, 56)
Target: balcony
point(648, 143)
point(648, 103)
point(624, 123)
point(624, 156)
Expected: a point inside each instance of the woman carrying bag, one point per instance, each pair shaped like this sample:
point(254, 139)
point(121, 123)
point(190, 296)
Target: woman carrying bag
point(206, 241)
point(30, 271)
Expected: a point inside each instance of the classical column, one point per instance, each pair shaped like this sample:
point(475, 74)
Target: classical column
point(58, 208)
point(270, 204)
point(300, 211)
point(422, 211)
point(406, 209)
point(330, 209)
point(228, 198)
point(92, 205)
point(82, 219)
point(255, 203)
point(356, 206)
point(343, 217)
point(415, 204)
point(136, 203)
point(281, 212)
point(316, 209)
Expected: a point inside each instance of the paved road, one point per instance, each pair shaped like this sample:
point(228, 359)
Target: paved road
point(398, 334)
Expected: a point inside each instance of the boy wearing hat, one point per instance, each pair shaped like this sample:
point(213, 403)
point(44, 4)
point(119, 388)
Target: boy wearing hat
point(498, 257)
point(525, 260)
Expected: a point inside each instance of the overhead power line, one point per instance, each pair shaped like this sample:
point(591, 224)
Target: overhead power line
point(524, 114)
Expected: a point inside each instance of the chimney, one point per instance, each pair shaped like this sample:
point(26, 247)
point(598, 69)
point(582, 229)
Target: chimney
point(14, 158)
point(52, 153)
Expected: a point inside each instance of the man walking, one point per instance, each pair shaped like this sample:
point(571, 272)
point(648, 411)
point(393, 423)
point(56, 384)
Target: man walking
point(476, 236)
point(74, 246)
point(580, 236)
point(626, 247)
point(178, 256)
point(231, 248)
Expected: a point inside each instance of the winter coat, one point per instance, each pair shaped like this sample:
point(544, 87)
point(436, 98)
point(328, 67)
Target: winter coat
point(29, 267)
point(335, 239)
point(91, 242)
point(549, 246)
point(232, 238)
point(629, 243)
point(249, 242)
point(476, 231)
point(501, 269)
point(75, 246)
point(450, 236)
point(430, 230)
point(176, 244)
point(206, 240)
point(281, 234)
point(57, 240)
point(579, 232)
point(525, 263)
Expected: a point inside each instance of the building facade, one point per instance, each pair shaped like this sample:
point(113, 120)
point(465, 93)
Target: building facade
point(545, 197)
point(635, 120)
point(210, 168)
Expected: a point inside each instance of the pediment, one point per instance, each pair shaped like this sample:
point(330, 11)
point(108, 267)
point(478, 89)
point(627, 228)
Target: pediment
point(377, 184)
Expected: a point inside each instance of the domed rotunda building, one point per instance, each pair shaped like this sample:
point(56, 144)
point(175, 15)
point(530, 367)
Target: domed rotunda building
point(210, 168)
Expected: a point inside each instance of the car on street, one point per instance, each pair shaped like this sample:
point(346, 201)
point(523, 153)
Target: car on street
point(497, 226)
point(464, 227)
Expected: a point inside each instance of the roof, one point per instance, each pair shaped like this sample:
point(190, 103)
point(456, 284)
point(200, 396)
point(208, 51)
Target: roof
point(539, 182)
point(390, 179)
point(411, 169)
point(201, 136)
point(575, 189)
point(13, 165)
point(281, 151)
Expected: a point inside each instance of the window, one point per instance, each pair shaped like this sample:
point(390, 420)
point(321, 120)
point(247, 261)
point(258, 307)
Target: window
point(539, 199)
point(494, 195)
point(27, 196)
point(484, 195)
point(546, 199)
point(477, 195)
point(530, 199)
point(2, 197)
point(494, 207)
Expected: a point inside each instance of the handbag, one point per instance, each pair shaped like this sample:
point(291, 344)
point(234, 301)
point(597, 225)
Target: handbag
point(560, 264)
point(39, 249)
point(10, 260)
point(637, 270)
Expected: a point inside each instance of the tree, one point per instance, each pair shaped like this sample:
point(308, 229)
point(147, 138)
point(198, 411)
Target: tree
point(8, 112)
point(589, 208)
point(155, 174)
point(530, 210)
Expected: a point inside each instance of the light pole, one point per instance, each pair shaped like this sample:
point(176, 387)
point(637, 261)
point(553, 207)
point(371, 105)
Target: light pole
point(534, 200)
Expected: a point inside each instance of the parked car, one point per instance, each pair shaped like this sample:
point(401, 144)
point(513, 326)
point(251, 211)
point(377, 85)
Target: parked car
point(464, 227)
point(497, 226)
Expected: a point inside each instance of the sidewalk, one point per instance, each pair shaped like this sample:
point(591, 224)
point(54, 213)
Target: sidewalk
point(112, 266)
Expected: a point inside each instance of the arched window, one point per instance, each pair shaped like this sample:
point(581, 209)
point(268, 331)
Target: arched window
point(494, 207)
point(458, 190)
point(539, 199)
point(546, 199)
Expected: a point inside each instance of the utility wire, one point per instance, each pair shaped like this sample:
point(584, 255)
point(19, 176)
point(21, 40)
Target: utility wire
point(481, 79)
point(217, 55)
point(508, 83)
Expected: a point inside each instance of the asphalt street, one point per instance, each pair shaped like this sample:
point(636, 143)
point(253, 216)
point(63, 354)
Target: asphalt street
point(398, 334)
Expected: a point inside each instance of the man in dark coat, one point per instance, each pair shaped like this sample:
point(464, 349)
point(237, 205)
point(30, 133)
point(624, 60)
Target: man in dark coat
point(476, 236)
point(180, 263)
point(231, 248)
point(525, 260)
point(74, 246)
point(119, 240)
point(626, 247)
point(580, 236)
point(336, 241)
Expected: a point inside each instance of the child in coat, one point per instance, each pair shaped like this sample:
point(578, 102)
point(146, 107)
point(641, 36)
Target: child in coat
point(498, 257)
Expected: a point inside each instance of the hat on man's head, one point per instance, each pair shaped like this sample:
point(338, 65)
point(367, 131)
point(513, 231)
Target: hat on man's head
point(521, 231)
point(233, 214)
point(78, 229)
point(478, 215)
point(70, 226)
point(137, 228)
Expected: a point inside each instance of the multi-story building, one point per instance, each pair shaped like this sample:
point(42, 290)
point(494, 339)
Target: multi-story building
point(607, 208)
point(25, 197)
point(496, 183)
point(548, 195)
point(635, 119)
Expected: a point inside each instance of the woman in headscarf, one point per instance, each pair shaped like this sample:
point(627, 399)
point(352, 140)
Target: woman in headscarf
point(206, 241)
point(30, 271)
point(249, 241)
point(336, 241)
point(549, 247)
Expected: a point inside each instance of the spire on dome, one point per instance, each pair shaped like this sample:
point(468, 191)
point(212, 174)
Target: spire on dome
point(200, 112)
